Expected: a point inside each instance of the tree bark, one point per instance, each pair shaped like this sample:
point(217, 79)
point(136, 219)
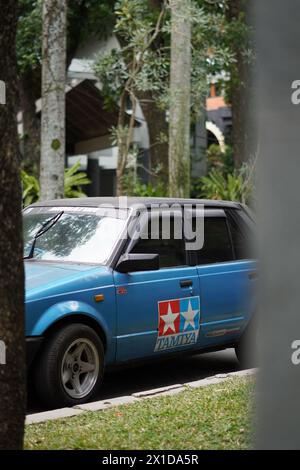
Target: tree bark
point(12, 374)
point(180, 88)
point(239, 94)
point(53, 99)
point(157, 125)
point(29, 89)
point(122, 150)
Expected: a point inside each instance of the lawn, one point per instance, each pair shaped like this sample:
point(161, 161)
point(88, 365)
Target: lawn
point(214, 417)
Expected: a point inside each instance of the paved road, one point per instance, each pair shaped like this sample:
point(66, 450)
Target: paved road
point(159, 374)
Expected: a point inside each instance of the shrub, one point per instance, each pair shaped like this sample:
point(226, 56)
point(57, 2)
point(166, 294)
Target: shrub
point(235, 186)
point(74, 180)
point(216, 159)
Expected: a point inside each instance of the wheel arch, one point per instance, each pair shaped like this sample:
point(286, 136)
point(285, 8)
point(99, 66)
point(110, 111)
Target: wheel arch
point(77, 318)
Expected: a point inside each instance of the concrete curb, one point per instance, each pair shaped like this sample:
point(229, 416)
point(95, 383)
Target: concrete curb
point(135, 397)
point(52, 414)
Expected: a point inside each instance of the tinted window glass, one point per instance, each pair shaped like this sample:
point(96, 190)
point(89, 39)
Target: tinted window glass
point(239, 241)
point(217, 245)
point(171, 251)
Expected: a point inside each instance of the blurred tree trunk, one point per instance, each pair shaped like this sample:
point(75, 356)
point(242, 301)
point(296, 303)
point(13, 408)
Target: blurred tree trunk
point(53, 99)
point(239, 91)
point(277, 117)
point(158, 126)
point(12, 374)
point(29, 90)
point(158, 138)
point(180, 88)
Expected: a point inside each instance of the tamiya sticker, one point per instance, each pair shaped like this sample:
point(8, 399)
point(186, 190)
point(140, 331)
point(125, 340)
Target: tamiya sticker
point(178, 323)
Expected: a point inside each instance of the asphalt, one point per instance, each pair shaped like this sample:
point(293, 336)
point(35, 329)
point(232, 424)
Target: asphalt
point(157, 374)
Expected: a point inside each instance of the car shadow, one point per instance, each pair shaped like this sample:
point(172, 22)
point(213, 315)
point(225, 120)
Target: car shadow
point(150, 375)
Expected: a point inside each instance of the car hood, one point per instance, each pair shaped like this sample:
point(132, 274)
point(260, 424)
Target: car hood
point(43, 279)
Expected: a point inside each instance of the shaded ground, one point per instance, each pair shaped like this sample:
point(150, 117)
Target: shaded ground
point(158, 374)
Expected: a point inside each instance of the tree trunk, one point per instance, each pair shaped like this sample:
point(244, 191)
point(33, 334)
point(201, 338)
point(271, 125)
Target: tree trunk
point(180, 87)
point(121, 167)
point(29, 86)
point(157, 125)
point(12, 373)
point(239, 94)
point(53, 99)
point(122, 150)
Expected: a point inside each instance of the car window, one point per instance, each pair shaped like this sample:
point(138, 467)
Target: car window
point(217, 247)
point(169, 245)
point(240, 243)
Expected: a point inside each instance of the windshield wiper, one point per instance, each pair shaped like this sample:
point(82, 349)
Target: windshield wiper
point(44, 228)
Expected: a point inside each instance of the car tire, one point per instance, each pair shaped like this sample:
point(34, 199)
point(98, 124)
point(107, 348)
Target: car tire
point(247, 348)
point(70, 369)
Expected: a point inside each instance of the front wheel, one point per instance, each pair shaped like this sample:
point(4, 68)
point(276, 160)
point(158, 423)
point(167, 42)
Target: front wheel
point(70, 370)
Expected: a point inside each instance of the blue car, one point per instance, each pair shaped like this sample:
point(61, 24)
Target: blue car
point(108, 283)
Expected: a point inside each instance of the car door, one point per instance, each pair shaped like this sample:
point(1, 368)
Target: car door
point(158, 311)
point(225, 283)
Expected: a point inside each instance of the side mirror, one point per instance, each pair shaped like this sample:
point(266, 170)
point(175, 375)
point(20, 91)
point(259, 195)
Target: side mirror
point(131, 262)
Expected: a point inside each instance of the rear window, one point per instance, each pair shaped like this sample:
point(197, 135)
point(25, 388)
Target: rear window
point(217, 246)
point(241, 234)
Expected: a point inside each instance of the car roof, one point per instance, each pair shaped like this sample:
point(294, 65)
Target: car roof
point(133, 201)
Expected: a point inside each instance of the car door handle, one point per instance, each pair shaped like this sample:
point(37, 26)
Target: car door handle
point(252, 275)
point(186, 283)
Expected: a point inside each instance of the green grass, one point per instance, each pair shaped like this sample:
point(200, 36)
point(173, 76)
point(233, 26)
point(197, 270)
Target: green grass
point(214, 417)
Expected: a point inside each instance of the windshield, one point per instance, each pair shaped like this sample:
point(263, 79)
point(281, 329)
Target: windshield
point(81, 234)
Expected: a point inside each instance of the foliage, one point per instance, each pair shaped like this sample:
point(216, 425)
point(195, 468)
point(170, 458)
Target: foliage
point(228, 35)
point(31, 188)
point(218, 186)
point(140, 189)
point(237, 38)
point(74, 180)
point(132, 183)
point(235, 186)
point(216, 159)
point(136, 24)
point(214, 417)
point(85, 18)
point(29, 33)
point(93, 17)
point(137, 67)
point(142, 63)
point(211, 50)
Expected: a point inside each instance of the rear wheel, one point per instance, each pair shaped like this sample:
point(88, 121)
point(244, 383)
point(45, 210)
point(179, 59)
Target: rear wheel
point(70, 370)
